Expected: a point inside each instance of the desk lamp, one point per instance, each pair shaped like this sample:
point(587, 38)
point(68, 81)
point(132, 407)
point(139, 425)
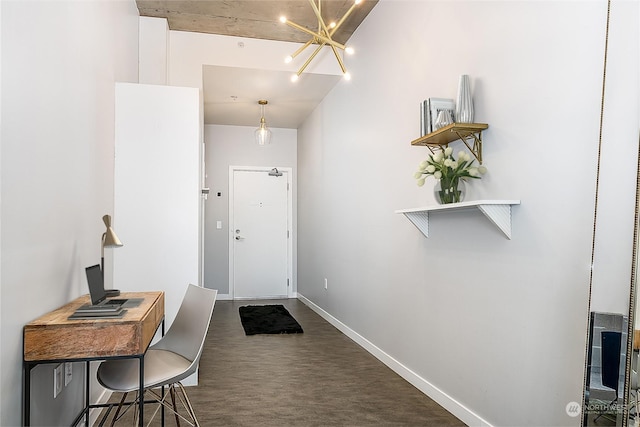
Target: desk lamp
point(109, 240)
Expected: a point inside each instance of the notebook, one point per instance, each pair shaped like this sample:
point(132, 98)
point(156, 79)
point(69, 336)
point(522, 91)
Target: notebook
point(82, 314)
point(99, 301)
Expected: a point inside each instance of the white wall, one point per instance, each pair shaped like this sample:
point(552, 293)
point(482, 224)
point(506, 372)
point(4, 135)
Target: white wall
point(153, 53)
point(157, 191)
point(59, 64)
point(495, 328)
point(235, 145)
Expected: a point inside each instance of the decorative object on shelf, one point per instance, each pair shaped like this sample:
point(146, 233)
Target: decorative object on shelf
point(322, 37)
point(452, 194)
point(436, 105)
point(263, 133)
point(443, 119)
point(449, 172)
point(425, 118)
point(464, 104)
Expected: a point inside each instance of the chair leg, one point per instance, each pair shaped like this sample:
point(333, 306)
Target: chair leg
point(188, 404)
point(115, 416)
point(173, 401)
point(608, 407)
point(163, 399)
point(136, 410)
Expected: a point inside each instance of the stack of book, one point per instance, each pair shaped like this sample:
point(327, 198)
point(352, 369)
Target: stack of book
point(101, 311)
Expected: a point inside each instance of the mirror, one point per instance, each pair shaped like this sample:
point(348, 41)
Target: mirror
point(611, 395)
point(613, 334)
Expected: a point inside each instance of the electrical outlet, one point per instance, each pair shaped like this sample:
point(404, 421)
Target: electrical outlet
point(58, 380)
point(325, 283)
point(68, 373)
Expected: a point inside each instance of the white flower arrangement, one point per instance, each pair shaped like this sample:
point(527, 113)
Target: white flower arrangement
point(449, 171)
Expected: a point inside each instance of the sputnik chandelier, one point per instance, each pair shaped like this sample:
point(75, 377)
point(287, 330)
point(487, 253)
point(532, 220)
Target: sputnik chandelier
point(322, 37)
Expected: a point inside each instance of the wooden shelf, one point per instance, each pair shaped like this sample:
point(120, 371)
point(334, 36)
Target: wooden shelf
point(497, 211)
point(469, 133)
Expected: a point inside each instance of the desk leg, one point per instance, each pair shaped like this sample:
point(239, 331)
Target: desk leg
point(87, 393)
point(26, 397)
point(162, 416)
point(141, 393)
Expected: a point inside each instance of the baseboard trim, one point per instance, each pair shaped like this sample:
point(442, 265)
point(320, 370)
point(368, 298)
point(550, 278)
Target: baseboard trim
point(442, 398)
point(227, 297)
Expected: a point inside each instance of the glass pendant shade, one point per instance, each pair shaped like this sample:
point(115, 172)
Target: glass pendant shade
point(263, 133)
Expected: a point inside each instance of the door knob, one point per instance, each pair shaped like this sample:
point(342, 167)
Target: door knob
point(239, 238)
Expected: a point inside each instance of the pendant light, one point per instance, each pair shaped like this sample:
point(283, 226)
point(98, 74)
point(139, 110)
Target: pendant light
point(263, 133)
point(322, 37)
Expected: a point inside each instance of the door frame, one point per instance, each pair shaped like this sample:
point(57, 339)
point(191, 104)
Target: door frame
point(288, 173)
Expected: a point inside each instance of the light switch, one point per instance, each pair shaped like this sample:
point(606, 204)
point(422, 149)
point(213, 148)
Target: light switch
point(219, 225)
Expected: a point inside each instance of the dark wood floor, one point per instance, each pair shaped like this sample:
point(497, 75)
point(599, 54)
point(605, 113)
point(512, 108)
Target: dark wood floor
point(318, 378)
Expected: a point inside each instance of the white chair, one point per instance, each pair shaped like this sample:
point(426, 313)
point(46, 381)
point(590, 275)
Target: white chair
point(172, 359)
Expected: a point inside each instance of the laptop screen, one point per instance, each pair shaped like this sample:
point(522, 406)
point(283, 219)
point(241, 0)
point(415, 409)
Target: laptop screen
point(96, 284)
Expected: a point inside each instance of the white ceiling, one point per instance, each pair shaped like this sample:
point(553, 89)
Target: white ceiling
point(231, 96)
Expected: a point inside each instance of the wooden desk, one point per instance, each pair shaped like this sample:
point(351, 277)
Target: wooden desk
point(53, 338)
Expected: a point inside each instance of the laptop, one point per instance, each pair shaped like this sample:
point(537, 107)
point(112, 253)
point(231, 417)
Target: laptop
point(99, 301)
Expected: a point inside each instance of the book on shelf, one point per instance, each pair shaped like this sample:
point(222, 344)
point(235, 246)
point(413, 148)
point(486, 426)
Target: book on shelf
point(425, 118)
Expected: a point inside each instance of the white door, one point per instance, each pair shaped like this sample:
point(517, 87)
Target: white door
point(260, 233)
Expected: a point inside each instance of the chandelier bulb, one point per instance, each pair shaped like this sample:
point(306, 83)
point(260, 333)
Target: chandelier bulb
point(288, 59)
point(347, 76)
point(283, 19)
point(294, 78)
point(349, 50)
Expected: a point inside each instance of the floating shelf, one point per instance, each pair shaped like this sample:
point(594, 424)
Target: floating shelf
point(469, 133)
point(498, 212)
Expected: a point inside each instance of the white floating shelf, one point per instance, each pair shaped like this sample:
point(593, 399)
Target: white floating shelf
point(498, 212)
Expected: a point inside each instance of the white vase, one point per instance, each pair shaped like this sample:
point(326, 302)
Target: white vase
point(464, 103)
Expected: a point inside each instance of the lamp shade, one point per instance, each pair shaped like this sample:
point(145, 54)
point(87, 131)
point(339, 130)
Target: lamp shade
point(110, 239)
point(263, 133)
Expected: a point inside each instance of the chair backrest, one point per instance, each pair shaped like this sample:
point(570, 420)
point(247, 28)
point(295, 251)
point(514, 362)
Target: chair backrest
point(611, 344)
point(187, 333)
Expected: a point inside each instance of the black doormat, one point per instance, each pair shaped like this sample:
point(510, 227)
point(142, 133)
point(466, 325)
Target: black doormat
point(268, 319)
